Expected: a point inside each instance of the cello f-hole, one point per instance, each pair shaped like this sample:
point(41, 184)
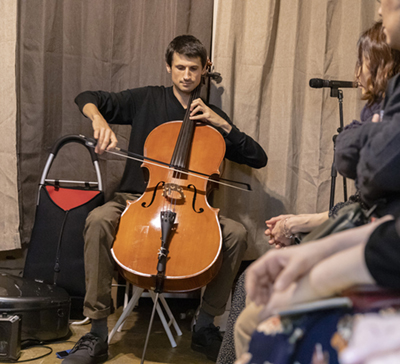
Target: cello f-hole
point(194, 200)
point(154, 194)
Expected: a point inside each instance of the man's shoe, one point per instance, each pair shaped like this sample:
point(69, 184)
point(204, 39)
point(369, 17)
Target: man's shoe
point(208, 341)
point(90, 349)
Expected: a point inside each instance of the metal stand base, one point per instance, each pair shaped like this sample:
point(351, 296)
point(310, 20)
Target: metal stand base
point(137, 292)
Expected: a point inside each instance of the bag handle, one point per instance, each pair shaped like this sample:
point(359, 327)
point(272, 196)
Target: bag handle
point(72, 138)
point(66, 139)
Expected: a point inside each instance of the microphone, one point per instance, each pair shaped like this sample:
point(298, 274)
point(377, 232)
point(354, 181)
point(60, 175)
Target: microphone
point(319, 83)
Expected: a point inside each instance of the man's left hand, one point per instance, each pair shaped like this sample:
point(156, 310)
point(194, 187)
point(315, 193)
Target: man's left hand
point(199, 111)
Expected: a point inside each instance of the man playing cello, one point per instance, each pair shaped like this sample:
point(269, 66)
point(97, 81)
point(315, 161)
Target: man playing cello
point(144, 109)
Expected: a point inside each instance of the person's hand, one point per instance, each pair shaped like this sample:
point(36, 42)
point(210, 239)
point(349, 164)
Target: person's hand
point(244, 359)
point(277, 269)
point(376, 118)
point(279, 227)
point(298, 292)
point(275, 230)
point(106, 139)
point(199, 111)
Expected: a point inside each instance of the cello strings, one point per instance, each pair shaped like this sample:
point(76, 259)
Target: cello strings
point(177, 170)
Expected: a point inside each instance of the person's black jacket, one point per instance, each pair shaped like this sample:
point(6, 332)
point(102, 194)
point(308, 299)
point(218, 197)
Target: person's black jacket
point(370, 154)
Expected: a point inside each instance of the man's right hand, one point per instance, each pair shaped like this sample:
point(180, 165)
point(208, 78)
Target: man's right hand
point(106, 139)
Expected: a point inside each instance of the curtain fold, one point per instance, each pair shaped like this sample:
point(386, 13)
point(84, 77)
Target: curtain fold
point(267, 51)
point(9, 214)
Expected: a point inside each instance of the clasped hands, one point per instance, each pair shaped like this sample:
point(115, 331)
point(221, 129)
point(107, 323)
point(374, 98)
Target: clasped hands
point(276, 231)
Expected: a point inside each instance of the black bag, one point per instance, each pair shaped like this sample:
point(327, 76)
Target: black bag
point(42, 308)
point(348, 217)
point(55, 252)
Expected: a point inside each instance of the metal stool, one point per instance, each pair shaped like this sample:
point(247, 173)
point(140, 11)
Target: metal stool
point(129, 306)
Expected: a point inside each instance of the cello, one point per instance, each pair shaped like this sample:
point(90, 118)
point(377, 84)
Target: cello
point(170, 240)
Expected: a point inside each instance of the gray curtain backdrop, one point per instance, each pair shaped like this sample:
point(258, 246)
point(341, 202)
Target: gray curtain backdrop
point(66, 47)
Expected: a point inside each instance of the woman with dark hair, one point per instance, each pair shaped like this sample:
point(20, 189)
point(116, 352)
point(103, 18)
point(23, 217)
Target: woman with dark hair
point(376, 63)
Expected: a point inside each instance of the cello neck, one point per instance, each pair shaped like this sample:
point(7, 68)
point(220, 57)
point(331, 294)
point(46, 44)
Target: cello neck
point(180, 157)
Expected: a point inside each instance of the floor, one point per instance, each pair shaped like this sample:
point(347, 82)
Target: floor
point(127, 346)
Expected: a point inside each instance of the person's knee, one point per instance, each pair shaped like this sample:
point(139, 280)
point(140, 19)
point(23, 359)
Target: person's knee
point(238, 237)
point(242, 235)
point(245, 325)
point(98, 220)
point(239, 231)
point(94, 218)
point(247, 320)
point(241, 334)
point(99, 230)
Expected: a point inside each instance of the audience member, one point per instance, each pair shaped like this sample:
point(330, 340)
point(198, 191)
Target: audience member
point(367, 254)
point(376, 63)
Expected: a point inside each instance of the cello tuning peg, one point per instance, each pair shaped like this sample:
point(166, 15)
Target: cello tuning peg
point(216, 76)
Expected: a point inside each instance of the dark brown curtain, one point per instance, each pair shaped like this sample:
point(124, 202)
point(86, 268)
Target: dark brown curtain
point(66, 47)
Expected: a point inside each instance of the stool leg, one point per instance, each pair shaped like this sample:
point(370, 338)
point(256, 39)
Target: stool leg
point(136, 293)
point(171, 316)
point(126, 312)
point(126, 295)
point(164, 321)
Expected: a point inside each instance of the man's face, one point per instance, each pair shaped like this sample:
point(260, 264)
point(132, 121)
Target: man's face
point(185, 72)
point(390, 13)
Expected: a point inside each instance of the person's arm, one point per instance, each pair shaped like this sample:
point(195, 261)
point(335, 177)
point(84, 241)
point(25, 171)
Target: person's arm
point(329, 277)
point(369, 152)
point(377, 171)
point(240, 147)
point(115, 107)
point(348, 146)
point(276, 270)
point(382, 254)
point(104, 108)
point(340, 271)
point(304, 223)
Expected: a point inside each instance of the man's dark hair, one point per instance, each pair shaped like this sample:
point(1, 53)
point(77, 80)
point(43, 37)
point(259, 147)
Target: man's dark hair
point(187, 45)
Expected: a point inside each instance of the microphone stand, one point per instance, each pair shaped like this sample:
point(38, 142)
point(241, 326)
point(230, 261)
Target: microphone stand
point(335, 92)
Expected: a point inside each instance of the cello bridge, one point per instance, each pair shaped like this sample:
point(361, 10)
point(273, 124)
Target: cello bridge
point(173, 191)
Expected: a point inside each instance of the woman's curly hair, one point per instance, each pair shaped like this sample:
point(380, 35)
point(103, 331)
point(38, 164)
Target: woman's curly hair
point(382, 62)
